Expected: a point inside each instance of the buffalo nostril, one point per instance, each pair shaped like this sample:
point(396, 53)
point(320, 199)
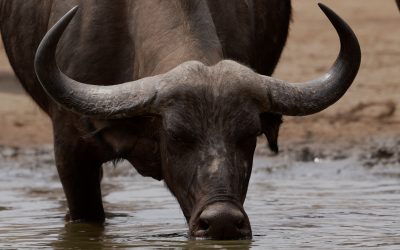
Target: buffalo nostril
point(222, 221)
point(204, 224)
point(240, 223)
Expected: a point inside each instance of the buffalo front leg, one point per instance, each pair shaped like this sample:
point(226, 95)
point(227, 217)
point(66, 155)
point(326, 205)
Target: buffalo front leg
point(80, 173)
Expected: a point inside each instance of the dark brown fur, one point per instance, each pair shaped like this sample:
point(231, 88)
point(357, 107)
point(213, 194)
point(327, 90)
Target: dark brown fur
point(110, 42)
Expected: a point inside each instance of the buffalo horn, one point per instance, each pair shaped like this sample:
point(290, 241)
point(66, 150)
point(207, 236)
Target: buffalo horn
point(298, 99)
point(115, 101)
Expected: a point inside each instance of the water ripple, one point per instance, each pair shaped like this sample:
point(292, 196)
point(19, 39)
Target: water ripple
point(321, 204)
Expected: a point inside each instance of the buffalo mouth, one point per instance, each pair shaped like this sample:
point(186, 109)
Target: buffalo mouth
point(221, 221)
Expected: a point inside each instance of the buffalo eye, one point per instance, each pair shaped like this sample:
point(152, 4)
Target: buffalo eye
point(181, 137)
point(248, 138)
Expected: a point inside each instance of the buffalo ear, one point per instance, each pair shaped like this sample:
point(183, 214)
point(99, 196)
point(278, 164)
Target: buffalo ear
point(270, 124)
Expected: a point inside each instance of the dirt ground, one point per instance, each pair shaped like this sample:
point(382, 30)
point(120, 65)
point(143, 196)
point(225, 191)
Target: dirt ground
point(369, 110)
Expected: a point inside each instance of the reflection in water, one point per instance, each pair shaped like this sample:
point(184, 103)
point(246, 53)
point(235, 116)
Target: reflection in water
point(99, 236)
point(207, 244)
point(311, 205)
point(80, 235)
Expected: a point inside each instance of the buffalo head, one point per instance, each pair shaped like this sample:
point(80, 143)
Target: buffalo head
point(209, 120)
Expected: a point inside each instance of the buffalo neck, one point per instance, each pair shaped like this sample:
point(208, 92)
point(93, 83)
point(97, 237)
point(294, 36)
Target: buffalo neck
point(116, 41)
point(168, 33)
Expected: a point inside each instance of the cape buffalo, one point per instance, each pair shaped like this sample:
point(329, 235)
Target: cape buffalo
point(179, 88)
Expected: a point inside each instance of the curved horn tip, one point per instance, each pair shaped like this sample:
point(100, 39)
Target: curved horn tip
point(328, 11)
point(340, 24)
point(71, 13)
point(47, 47)
point(323, 6)
point(74, 9)
point(332, 16)
point(57, 30)
point(66, 19)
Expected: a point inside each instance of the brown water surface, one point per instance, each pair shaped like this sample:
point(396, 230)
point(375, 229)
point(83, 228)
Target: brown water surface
point(297, 202)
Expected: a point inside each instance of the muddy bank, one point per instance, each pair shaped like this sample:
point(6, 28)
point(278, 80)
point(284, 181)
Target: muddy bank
point(368, 153)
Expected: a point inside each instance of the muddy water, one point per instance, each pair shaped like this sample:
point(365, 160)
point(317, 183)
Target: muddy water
point(295, 200)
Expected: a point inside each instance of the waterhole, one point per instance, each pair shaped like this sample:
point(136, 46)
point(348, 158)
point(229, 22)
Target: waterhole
point(308, 202)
